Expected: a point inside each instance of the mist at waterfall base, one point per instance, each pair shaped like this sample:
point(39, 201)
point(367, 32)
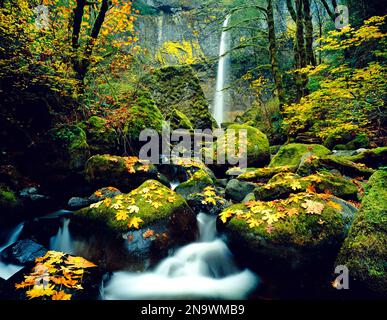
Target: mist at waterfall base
point(220, 94)
point(8, 270)
point(201, 270)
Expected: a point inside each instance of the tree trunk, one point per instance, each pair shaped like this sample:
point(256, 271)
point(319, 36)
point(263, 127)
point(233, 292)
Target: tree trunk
point(273, 55)
point(310, 58)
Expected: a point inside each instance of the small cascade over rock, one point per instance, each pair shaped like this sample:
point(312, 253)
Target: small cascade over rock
point(62, 240)
point(8, 270)
point(204, 269)
point(220, 95)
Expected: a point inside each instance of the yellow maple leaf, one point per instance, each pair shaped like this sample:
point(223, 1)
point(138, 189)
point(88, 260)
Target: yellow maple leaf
point(79, 262)
point(61, 295)
point(40, 291)
point(171, 199)
point(121, 215)
point(225, 215)
point(254, 223)
point(156, 204)
point(133, 209)
point(270, 218)
point(296, 185)
point(335, 205)
point(292, 212)
point(135, 222)
point(313, 207)
point(95, 205)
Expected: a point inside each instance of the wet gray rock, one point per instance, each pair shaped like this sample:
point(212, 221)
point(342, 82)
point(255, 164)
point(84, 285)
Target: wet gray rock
point(237, 190)
point(76, 203)
point(22, 252)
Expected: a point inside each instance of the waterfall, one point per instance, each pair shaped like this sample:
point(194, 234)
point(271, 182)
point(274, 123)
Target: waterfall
point(14, 236)
point(219, 100)
point(203, 269)
point(8, 270)
point(160, 25)
point(62, 240)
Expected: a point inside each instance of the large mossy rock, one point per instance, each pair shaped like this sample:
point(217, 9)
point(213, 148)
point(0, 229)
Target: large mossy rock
point(142, 113)
point(373, 158)
point(152, 216)
point(364, 252)
point(263, 175)
point(177, 87)
point(284, 184)
point(70, 146)
point(101, 136)
point(124, 173)
point(290, 233)
point(346, 166)
point(196, 184)
point(257, 149)
point(291, 154)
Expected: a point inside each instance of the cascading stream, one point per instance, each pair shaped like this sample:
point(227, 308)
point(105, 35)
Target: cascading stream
point(219, 101)
point(62, 240)
point(8, 270)
point(204, 269)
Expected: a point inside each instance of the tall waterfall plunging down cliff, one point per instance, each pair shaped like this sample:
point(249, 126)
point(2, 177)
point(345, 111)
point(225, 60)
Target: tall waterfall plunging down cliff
point(219, 101)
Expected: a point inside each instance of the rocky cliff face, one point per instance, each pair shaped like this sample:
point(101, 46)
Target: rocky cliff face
point(179, 32)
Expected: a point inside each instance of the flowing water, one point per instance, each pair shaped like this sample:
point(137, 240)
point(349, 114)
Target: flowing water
point(219, 102)
point(62, 240)
point(204, 269)
point(8, 270)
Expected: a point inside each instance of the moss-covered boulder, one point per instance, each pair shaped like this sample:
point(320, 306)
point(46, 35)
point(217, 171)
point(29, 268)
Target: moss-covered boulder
point(257, 148)
point(346, 166)
point(284, 184)
point(291, 154)
point(360, 141)
point(142, 113)
point(177, 87)
point(290, 233)
point(101, 136)
point(263, 175)
point(196, 184)
point(70, 147)
point(373, 158)
point(124, 173)
point(210, 200)
point(338, 138)
point(179, 120)
point(152, 216)
point(364, 251)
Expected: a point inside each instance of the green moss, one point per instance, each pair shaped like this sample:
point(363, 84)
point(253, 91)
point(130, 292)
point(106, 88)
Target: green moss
point(291, 154)
point(142, 114)
point(101, 137)
point(124, 173)
point(72, 141)
point(179, 120)
point(303, 230)
point(196, 184)
point(373, 158)
point(344, 164)
point(338, 138)
point(360, 141)
point(284, 184)
point(263, 174)
point(364, 251)
point(177, 87)
point(258, 151)
point(8, 198)
point(144, 199)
